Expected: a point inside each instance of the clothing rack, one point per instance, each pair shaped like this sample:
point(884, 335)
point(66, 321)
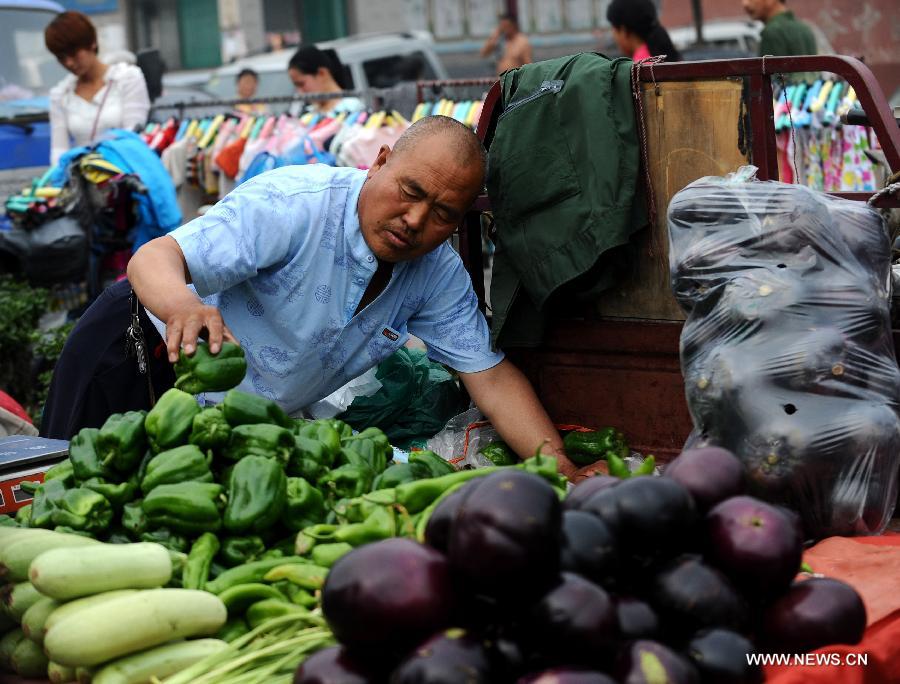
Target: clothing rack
point(438, 87)
point(280, 99)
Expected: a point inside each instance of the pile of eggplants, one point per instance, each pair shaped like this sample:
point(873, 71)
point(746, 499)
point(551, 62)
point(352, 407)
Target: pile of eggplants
point(650, 579)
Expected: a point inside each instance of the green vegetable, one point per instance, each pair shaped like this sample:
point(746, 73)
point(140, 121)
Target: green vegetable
point(46, 500)
point(249, 572)
point(69, 608)
point(64, 470)
point(28, 659)
point(499, 453)
point(257, 492)
point(323, 432)
point(133, 518)
point(305, 505)
point(346, 482)
point(646, 468)
point(101, 632)
point(83, 509)
point(196, 570)
point(270, 441)
point(327, 555)
point(18, 598)
point(122, 441)
point(239, 597)
point(181, 464)
point(117, 494)
point(584, 448)
point(437, 465)
point(305, 575)
point(243, 408)
point(189, 507)
point(399, 473)
point(269, 609)
point(235, 627)
point(34, 618)
point(157, 663)
point(210, 430)
point(310, 459)
point(69, 573)
point(85, 458)
point(7, 645)
point(415, 496)
point(23, 515)
point(372, 444)
point(239, 550)
point(21, 550)
point(204, 371)
point(169, 422)
point(617, 466)
point(381, 524)
point(60, 674)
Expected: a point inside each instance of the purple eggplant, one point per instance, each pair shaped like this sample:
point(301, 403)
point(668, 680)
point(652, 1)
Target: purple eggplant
point(588, 548)
point(332, 666)
point(567, 675)
point(722, 657)
point(437, 531)
point(650, 662)
point(451, 657)
point(586, 488)
point(710, 474)
point(636, 619)
point(381, 599)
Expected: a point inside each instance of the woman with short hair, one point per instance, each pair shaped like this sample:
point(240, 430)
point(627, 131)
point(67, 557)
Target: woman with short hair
point(95, 96)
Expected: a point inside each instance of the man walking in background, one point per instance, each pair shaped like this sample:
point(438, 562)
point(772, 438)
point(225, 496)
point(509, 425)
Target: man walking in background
point(510, 43)
point(784, 35)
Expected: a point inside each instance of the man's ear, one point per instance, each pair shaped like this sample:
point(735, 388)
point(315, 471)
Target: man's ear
point(383, 154)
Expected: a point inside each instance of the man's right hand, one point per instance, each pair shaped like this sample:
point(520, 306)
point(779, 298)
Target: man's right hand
point(189, 323)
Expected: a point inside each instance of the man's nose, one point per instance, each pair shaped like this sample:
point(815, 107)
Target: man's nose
point(416, 215)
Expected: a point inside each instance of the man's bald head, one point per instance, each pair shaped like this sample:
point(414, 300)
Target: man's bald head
point(458, 136)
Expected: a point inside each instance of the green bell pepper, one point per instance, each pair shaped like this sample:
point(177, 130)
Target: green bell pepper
point(584, 448)
point(269, 441)
point(189, 507)
point(47, 497)
point(204, 371)
point(8, 521)
point(345, 482)
point(85, 458)
point(399, 473)
point(166, 537)
point(617, 466)
point(133, 518)
point(343, 429)
point(499, 453)
point(210, 430)
point(196, 569)
point(256, 494)
point(122, 441)
point(268, 609)
point(381, 449)
point(64, 470)
point(181, 464)
point(309, 460)
point(305, 505)
point(323, 432)
point(169, 422)
point(23, 516)
point(83, 509)
point(327, 555)
point(243, 408)
point(118, 494)
point(362, 455)
point(240, 550)
point(437, 465)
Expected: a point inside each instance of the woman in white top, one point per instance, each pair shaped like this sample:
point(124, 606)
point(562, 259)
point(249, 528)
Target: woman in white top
point(96, 96)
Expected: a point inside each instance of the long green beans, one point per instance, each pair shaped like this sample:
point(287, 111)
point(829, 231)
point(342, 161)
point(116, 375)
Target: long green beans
point(269, 653)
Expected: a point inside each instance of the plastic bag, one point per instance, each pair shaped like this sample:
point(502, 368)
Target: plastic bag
point(787, 352)
point(365, 385)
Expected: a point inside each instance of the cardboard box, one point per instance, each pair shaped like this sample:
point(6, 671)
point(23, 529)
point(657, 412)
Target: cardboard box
point(25, 458)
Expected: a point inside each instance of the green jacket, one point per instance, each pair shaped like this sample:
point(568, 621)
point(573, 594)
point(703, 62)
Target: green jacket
point(786, 36)
point(563, 180)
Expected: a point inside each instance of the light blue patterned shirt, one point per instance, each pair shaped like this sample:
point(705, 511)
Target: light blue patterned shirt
point(282, 256)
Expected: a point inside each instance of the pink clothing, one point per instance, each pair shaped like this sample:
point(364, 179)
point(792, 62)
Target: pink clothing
point(643, 52)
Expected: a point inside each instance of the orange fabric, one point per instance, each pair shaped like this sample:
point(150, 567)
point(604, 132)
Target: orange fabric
point(229, 157)
point(870, 565)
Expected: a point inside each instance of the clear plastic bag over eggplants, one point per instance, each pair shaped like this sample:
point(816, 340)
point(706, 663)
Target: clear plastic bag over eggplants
point(787, 352)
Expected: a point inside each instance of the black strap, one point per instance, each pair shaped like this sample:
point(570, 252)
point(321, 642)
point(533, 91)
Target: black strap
point(136, 346)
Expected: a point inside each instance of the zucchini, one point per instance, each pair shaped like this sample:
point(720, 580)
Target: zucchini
point(18, 598)
point(84, 675)
point(22, 550)
point(125, 625)
point(60, 674)
point(158, 662)
point(7, 645)
point(35, 617)
point(70, 607)
point(74, 572)
point(28, 659)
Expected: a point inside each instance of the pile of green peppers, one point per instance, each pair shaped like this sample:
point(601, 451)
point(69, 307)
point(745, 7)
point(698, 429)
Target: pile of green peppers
point(587, 447)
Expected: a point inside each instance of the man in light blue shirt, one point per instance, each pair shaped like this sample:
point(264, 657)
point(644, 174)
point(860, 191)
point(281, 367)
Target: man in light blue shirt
point(321, 273)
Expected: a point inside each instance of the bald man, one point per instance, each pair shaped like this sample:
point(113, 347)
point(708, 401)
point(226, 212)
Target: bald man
point(321, 273)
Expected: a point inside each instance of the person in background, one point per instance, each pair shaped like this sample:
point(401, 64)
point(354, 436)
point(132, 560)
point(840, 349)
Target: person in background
point(95, 96)
point(510, 43)
point(637, 30)
point(784, 35)
point(246, 83)
point(320, 71)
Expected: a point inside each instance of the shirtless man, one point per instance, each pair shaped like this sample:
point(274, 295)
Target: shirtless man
point(516, 50)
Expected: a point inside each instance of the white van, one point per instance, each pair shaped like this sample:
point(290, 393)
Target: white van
point(373, 61)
